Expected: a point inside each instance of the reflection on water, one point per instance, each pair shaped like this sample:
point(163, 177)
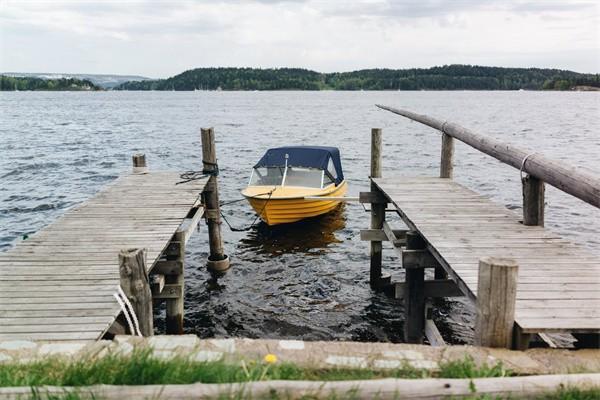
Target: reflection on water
point(311, 235)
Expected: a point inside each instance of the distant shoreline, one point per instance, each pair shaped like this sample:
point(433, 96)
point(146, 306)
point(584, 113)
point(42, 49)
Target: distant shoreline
point(441, 78)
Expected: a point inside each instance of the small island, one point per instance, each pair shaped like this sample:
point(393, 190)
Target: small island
point(10, 83)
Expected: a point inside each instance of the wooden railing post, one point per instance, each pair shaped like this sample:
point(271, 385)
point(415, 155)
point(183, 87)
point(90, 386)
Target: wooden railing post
point(414, 295)
point(217, 260)
point(175, 304)
point(447, 157)
point(533, 201)
point(496, 296)
point(139, 163)
point(135, 285)
point(377, 209)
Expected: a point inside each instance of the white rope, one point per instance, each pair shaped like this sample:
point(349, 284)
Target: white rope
point(125, 312)
point(523, 163)
point(133, 316)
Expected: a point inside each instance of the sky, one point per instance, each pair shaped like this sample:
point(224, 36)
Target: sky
point(163, 38)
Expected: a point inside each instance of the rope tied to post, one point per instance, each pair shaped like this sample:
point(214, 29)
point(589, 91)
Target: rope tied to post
point(190, 176)
point(211, 172)
point(253, 224)
point(128, 311)
point(523, 164)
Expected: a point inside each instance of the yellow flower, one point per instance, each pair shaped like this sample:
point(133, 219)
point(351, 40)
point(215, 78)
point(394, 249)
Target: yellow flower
point(270, 358)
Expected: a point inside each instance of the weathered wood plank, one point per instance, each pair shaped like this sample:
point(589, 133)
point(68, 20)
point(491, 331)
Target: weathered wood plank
point(59, 284)
point(462, 226)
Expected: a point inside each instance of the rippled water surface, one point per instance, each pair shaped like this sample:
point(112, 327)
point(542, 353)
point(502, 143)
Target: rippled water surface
point(308, 280)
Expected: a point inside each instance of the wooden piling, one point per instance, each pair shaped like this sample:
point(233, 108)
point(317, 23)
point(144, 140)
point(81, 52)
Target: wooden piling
point(139, 163)
point(447, 156)
point(496, 296)
point(414, 296)
point(174, 306)
point(135, 285)
point(533, 201)
point(377, 209)
point(217, 260)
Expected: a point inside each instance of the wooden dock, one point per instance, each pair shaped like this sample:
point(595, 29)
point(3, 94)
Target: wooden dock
point(524, 279)
point(60, 283)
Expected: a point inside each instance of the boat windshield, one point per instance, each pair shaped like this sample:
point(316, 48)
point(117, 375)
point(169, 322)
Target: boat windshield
point(294, 176)
point(267, 176)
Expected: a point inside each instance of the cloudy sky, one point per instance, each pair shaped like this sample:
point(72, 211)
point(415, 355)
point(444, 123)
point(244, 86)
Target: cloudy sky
point(160, 38)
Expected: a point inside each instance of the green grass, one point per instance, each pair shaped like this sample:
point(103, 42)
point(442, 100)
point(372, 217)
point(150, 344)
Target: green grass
point(468, 369)
point(142, 369)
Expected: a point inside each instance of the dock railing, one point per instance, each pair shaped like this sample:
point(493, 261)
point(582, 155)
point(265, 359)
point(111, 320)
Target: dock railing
point(577, 181)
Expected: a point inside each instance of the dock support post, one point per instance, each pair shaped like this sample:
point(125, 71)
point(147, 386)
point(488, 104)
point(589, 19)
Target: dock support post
point(533, 201)
point(174, 306)
point(496, 295)
point(377, 209)
point(139, 163)
point(414, 296)
point(135, 285)
point(217, 260)
point(447, 157)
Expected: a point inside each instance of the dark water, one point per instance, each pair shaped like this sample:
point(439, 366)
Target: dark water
point(309, 280)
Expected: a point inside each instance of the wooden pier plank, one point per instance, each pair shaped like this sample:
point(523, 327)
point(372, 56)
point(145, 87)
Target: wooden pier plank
point(559, 282)
point(59, 284)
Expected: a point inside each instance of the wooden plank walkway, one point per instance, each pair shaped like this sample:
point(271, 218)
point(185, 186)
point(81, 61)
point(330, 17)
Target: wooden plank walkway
point(559, 282)
point(59, 283)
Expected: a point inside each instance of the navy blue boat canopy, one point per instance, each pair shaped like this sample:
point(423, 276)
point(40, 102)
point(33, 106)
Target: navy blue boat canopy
point(320, 157)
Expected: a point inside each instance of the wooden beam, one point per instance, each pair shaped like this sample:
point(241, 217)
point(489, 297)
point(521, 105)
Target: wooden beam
point(414, 294)
point(135, 285)
point(433, 334)
point(188, 226)
point(389, 388)
point(217, 256)
point(397, 237)
point(368, 235)
point(432, 289)
point(175, 306)
point(377, 211)
point(373, 197)
point(157, 283)
point(418, 259)
point(139, 163)
point(576, 181)
point(168, 267)
point(496, 296)
point(533, 201)
point(447, 156)
point(170, 292)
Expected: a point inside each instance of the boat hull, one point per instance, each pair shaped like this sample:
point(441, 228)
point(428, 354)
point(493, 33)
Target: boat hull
point(286, 205)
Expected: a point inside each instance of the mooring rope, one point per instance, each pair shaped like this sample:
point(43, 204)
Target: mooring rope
point(127, 309)
point(190, 176)
point(523, 163)
point(253, 224)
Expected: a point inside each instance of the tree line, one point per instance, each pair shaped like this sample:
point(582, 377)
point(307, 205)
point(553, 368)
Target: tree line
point(448, 77)
point(11, 83)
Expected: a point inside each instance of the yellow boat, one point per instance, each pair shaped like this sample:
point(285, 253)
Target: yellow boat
point(289, 184)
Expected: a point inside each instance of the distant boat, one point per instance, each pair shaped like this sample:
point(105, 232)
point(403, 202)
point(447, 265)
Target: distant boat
point(289, 184)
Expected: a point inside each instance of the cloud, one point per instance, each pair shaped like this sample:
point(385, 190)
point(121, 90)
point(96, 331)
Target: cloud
point(162, 38)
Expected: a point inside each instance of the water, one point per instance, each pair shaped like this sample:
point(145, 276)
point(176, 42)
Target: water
point(308, 280)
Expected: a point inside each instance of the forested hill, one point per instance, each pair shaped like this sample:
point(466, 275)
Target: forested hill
point(11, 83)
point(449, 77)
